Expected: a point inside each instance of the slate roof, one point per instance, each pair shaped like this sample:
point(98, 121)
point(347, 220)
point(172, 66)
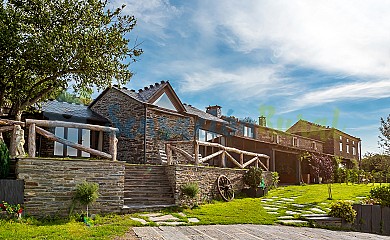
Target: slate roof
point(201, 114)
point(143, 95)
point(70, 109)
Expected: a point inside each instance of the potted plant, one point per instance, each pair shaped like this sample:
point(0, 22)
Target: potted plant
point(254, 179)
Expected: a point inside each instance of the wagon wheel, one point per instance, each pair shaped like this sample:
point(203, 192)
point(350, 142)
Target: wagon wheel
point(225, 188)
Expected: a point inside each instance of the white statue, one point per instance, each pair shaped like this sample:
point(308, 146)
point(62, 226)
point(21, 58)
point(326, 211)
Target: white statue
point(19, 141)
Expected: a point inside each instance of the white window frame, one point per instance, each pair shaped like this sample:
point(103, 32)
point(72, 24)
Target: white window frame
point(347, 148)
point(314, 145)
point(341, 146)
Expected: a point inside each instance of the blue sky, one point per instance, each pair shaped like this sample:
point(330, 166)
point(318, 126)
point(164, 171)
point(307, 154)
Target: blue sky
point(323, 61)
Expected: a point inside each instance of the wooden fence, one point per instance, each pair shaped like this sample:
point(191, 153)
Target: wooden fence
point(11, 191)
point(34, 127)
point(223, 152)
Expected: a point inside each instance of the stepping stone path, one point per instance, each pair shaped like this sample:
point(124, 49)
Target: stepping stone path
point(271, 208)
point(291, 213)
point(292, 222)
point(167, 220)
point(143, 221)
point(317, 210)
point(298, 205)
point(274, 205)
point(286, 217)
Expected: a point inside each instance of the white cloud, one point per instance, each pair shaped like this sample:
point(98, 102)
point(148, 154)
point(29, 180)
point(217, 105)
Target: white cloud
point(349, 91)
point(243, 82)
point(347, 36)
point(153, 16)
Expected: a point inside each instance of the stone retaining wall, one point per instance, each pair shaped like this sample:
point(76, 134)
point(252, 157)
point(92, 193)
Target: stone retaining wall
point(206, 178)
point(49, 184)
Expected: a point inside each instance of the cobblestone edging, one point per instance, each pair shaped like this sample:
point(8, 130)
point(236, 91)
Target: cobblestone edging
point(49, 184)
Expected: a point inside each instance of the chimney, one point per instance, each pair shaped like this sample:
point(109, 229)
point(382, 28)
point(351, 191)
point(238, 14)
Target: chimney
point(262, 121)
point(214, 110)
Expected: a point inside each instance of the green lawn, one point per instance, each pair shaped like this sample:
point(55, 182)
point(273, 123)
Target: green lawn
point(104, 228)
point(240, 210)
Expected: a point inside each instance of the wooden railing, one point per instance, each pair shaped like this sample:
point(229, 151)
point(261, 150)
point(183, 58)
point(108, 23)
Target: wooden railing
point(224, 152)
point(34, 127)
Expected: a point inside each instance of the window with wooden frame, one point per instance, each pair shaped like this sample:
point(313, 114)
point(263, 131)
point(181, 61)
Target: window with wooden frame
point(295, 141)
point(314, 145)
point(80, 136)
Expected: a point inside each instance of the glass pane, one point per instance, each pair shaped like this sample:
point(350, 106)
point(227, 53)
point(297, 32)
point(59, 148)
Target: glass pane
point(73, 136)
point(59, 147)
point(86, 139)
point(164, 102)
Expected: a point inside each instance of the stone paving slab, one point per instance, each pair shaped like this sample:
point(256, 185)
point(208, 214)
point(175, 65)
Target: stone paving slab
point(139, 220)
point(168, 217)
point(248, 231)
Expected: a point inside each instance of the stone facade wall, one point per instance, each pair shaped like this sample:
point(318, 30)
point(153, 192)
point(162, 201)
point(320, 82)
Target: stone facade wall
point(163, 126)
point(49, 185)
point(128, 115)
point(206, 178)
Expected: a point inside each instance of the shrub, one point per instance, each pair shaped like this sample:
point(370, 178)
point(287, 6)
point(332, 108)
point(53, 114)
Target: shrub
point(86, 194)
point(4, 160)
point(343, 209)
point(190, 189)
point(253, 177)
point(275, 179)
point(382, 193)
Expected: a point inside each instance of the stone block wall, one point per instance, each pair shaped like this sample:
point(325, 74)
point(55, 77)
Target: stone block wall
point(49, 185)
point(206, 178)
point(163, 126)
point(128, 115)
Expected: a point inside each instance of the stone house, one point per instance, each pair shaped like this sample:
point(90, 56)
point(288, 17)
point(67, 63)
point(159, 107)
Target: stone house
point(336, 142)
point(154, 115)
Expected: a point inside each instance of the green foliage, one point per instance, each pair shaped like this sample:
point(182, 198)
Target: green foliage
point(190, 189)
point(87, 193)
point(275, 180)
point(377, 162)
point(73, 98)
point(385, 134)
point(253, 177)
point(382, 194)
point(4, 160)
point(343, 209)
point(50, 45)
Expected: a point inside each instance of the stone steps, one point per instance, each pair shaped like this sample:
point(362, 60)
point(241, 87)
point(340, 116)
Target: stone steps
point(146, 188)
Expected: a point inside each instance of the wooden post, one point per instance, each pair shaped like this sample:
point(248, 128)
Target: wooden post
point(268, 164)
point(31, 140)
point(257, 162)
point(100, 141)
point(113, 145)
point(196, 152)
point(241, 158)
point(223, 162)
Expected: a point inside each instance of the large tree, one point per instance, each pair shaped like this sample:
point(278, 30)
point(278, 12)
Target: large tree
point(385, 131)
point(48, 45)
